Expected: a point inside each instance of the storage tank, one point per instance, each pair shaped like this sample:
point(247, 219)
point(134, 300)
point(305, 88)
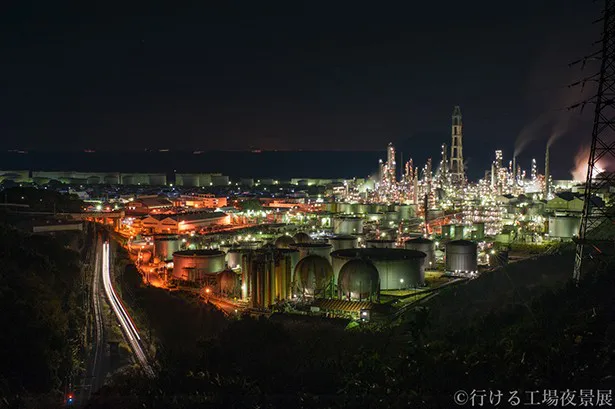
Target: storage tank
point(284, 242)
point(406, 212)
point(302, 238)
point(188, 180)
point(93, 180)
point(233, 257)
point(380, 244)
point(319, 249)
point(391, 216)
point(358, 280)
point(250, 245)
point(478, 231)
point(461, 256)
point(112, 179)
point(313, 277)
point(347, 225)
point(343, 242)
point(362, 208)
point(564, 227)
point(459, 230)
point(228, 283)
point(375, 217)
point(192, 265)
point(158, 179)
point(267, 275)
point(426, 246)
point(165, 245)
point(331, 207)
point(397, 268)
point(345, 208)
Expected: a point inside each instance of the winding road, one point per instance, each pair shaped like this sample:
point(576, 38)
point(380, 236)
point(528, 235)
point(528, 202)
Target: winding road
point(128, 328)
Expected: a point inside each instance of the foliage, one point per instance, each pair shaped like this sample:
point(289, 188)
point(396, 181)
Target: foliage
point(251, 204)
point(43, 200)
point(555, 336)
point(42, 315)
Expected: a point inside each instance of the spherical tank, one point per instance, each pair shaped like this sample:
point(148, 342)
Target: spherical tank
point(380, 244)
point(564, 227)
point(192, 265)
point(461, 256)
point(165, 246)
point(347, 225)
point(313, 275)
point(426, 246)
point(343, 242)
point(284, 242)
point(397, 268)
point(228, 282)
point(319, 249)
point(358, 280)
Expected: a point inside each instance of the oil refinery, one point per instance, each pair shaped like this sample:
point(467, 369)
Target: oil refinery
point(330, 247)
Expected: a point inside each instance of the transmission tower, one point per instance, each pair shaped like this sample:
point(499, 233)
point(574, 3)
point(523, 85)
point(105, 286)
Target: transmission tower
point(596, 240)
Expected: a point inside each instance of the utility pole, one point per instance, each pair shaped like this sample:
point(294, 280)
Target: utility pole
point(597, 232)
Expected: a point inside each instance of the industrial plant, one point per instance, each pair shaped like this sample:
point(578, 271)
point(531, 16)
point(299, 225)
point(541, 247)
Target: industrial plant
point(351, 248)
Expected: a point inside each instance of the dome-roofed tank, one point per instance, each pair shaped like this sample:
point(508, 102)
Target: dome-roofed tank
point(228, 282)
point(380, 244)
point(193, 265)
point(358, 280)
point(424, 245)
point(341, 242)
point(461, 256)
point(284, 242)
point(318, 248)
point(302, 237)
point(313, 276)
point(398, 268)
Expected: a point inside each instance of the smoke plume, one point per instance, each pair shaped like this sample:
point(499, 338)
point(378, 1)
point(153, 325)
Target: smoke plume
point(532, 132)
point(581, 159)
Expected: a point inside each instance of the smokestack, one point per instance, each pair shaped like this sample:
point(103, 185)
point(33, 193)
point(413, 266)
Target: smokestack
point(547, 175)
point(514, 167)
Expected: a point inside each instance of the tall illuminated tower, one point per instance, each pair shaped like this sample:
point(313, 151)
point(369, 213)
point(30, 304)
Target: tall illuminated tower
point(392, 168)
point(456, 171)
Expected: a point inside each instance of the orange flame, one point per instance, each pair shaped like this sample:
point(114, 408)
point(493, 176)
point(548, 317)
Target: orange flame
point(579, 172)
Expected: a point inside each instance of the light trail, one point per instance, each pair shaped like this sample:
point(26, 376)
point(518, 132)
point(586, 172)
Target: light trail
point(128, 327)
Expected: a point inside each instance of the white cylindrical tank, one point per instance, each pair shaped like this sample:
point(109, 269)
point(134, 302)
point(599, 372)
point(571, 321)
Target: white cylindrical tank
point(461, 256)
point(192, 265)
point(233, 257)
point(165, 245)
point(319, 249)
point(391, 216)
point(343, 242)
point(158, 179)
point(380, 244)
point(362, 208)
point(397, 268)
point(347, 225)
point(112, 179)
point(564, 227)
point(426, 246)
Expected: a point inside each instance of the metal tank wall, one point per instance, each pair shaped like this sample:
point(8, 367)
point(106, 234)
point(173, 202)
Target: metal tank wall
point(158, 179)
point(193, 264)
point(343, 242)
point(268, 276)
point(380, 244)
point(461, 256)
point(319, 249)
point(347, 225)
point(112, 179)
point(165, 246)
point(406, 212)
point(393, 265)
point(233, 258)
point(426, 246)
point(564, 227)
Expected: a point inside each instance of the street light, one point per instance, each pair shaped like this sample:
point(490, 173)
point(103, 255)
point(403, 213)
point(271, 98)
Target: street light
point(401, 283)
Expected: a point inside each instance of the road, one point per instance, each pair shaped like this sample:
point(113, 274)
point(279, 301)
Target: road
point(128, 328)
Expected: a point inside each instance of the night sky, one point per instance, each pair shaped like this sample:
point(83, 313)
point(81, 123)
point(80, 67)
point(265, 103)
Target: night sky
point(290, 75)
